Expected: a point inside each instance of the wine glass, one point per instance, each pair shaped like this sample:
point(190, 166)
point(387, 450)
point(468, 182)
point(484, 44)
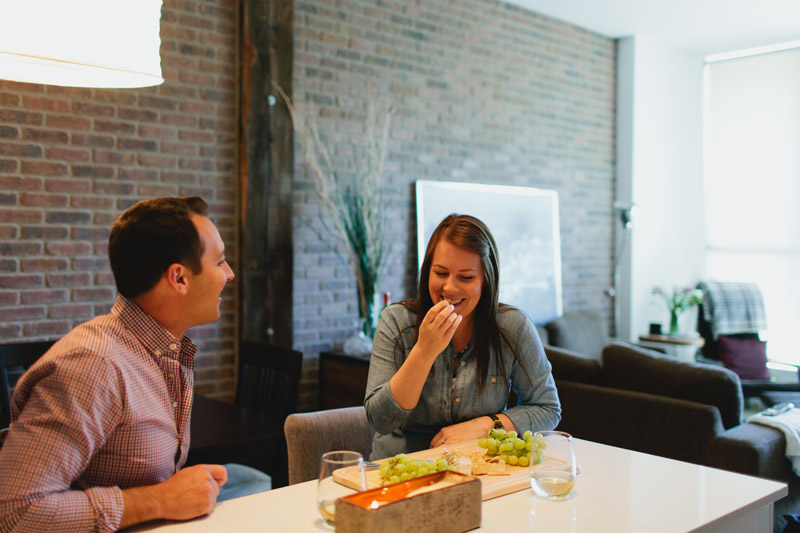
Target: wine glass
point(328, 490)
point(554, 476)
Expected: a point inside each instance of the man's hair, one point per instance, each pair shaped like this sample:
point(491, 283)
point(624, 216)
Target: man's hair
point(150, 236)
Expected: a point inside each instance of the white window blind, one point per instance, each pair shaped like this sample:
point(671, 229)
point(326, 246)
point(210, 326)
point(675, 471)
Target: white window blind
point(752, 185)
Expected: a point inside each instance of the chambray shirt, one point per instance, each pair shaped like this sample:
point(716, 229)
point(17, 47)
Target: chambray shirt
point(105, 409)
point(446, 400)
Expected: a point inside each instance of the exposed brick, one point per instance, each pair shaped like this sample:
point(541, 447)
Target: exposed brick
point(67, 185)
point(48, 233)
point(21, 281)
point(71, 279)
point(113, 187)
point(68, 248)
point(68, 154)
point(93, 171)
point(45, 135)
point(92, 202)
point(8, 132)
point(20, 117)
point(70, 310)
point(8, 298)
point(84, 295)
point(20, 149)
point(137, 144)
point(8, 265)
point(43, 265)
point(42, 200)
point(93, 141)
point(44, 296)
point(44, 168)
point(69, 122)
point(85, 108)
point(48, 328)
point(46, 104)
point(10, 331)
point(113, 157)
point(106, 126)
point(68, 217)
point(19, 248)
point(21, 215)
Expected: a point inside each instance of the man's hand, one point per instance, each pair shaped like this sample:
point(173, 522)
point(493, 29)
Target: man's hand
point(190, 493)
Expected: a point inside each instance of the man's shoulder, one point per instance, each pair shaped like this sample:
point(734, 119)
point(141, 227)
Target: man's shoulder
point(95, 338)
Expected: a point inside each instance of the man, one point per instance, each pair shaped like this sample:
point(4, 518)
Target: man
point(100, 424)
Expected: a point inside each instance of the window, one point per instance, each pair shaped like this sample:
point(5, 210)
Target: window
point(752, 185)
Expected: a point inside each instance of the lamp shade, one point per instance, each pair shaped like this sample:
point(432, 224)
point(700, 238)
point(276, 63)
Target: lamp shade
point(81, 43)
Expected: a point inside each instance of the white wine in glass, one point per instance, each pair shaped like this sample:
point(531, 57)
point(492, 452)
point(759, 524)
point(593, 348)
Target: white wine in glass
point(554, 477)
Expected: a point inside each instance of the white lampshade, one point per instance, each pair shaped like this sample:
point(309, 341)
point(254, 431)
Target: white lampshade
point(81, 43)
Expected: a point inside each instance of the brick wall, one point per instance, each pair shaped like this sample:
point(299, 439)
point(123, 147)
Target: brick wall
point(485, 92)
point(72, 159)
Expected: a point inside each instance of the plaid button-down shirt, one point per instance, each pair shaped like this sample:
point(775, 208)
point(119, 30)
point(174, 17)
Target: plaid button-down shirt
point(105, 409)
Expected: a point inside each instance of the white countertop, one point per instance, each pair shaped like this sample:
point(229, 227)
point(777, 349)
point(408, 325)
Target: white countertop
point(617, 491)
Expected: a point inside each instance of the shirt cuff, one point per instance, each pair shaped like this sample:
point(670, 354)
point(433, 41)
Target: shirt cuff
point(108, 506)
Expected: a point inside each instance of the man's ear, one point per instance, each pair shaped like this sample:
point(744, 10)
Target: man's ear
point(176, 277)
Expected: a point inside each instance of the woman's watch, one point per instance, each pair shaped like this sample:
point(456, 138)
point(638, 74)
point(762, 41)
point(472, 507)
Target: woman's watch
point(496, 422)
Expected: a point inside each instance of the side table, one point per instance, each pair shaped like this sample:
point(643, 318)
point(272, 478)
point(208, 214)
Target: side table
point(684, 348)
point(342, 380)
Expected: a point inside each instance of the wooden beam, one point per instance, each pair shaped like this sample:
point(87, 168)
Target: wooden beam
point(266, 172)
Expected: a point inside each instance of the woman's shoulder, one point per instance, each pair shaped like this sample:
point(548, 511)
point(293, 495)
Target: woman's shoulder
point(403, 313)
point(510, 317)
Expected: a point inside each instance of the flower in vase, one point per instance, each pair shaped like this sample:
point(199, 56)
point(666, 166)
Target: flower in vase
point(677, 302)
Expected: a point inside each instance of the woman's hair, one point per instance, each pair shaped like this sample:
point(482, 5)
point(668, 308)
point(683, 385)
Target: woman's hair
point(471, 234)
point(150, 236)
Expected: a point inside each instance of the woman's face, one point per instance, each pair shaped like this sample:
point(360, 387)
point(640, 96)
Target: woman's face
point(456, 276)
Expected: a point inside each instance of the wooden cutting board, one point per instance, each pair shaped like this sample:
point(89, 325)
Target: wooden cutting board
point(518, 477)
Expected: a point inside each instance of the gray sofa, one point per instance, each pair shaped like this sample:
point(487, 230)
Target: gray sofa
point(642, 400)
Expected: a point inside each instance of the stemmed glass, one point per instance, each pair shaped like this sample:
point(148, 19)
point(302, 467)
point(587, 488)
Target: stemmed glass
point(554, 477)
point(328, 490)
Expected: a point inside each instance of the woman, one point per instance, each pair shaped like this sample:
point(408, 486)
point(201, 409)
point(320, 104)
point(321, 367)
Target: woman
point(441, 364)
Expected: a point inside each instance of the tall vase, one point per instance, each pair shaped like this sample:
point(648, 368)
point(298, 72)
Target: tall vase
point(674, 327)
point(359, 343)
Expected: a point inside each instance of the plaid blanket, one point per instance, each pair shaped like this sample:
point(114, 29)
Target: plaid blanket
point(733, 307)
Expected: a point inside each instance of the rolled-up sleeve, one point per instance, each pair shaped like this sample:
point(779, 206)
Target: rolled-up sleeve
point(388, 348)
point(48, 447)
point(532, 380)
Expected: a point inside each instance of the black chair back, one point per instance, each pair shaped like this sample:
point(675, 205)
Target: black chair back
point(269, 378)
point(14, 360)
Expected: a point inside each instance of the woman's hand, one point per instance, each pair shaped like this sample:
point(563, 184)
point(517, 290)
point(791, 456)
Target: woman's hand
point(474, 429)
point(470, 430)
point(437, 328)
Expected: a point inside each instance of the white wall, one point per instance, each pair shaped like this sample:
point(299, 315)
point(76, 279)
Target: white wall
point(660, 168)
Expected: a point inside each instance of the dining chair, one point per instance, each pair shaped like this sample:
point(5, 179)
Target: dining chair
point(268, 378)
point(309, 435)
point(15, 358)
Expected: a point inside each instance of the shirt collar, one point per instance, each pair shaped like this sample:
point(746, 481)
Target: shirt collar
point(153, 336)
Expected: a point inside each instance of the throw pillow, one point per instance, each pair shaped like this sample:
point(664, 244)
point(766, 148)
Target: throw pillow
point(746, 357)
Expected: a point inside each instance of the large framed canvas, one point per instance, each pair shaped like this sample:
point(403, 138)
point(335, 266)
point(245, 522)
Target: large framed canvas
point(524, 223)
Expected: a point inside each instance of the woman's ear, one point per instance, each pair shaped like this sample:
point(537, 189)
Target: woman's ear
point(176, 277)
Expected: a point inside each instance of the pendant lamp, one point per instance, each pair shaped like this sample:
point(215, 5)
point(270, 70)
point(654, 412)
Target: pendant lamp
point(81, 43)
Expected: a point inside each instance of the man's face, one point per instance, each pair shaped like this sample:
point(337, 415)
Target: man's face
point(205, 288)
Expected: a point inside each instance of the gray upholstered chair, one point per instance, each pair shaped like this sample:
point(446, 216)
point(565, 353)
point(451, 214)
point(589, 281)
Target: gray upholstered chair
point(309, 435)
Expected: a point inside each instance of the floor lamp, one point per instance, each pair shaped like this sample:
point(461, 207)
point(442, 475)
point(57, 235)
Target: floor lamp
point(624, 212)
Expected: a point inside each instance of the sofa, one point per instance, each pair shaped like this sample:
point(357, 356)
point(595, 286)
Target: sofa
point(645, 401)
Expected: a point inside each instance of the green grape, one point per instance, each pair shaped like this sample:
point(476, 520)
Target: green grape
point(519, 444)
point(527, 435)
point(524, 461)
point(528, 446)
point(513, 460)
point(511, 434)
point(402, 468)
point(483, 443)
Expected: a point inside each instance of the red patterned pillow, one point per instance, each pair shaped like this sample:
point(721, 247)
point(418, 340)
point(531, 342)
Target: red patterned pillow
point(746, 357)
